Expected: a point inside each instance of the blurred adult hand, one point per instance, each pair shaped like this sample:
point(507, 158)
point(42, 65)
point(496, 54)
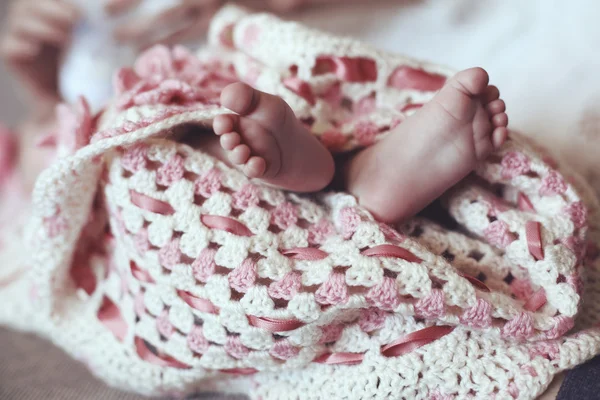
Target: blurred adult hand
point(185, 22)
point(37, 31)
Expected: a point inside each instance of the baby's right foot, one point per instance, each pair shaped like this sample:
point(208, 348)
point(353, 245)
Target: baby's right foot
point(270, 143)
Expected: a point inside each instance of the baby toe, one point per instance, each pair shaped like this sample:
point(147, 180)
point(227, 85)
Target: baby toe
point(240, 154)
point(230, 141)
point(224, 123)
point(239, 97)
point(499, 136)
point(500, 120)
point(496, 107)
point(490, 94)
point(255, 167)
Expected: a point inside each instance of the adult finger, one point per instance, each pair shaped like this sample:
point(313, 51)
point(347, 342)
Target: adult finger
point(40, 31)
point(138, 30)
point(60, 13)
point(194, 30)
point(116, 7)
point(15, 49)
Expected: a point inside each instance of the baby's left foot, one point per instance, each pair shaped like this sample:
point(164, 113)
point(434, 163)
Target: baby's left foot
point(432, 150)
point(270, 143)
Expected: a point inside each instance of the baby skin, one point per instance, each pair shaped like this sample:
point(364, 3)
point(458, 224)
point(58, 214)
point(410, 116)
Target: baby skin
point(396, 177)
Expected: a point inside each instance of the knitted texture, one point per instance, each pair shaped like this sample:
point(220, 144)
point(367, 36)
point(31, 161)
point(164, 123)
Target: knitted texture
point(166, 271)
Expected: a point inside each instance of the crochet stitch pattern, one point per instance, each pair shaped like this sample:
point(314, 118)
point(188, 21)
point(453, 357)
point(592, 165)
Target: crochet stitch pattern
point(166, 271)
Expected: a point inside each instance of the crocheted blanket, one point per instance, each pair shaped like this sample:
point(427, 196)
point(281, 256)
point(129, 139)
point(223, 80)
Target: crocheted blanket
point(166, 271)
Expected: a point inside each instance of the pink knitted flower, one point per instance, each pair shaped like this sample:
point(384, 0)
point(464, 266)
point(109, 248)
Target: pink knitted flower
point(170, 254)
point(163, 325)
point(134, 158)
point(384, 295)
point(514, 164)
point(349, 218)
point(319, 232)
point(431, 306)
point(209, 183)
point(284, 215)
point(478, 316)
point(163, 76)
point(243, 277)
point(553, 184)
point(246, 197)
point(578, 214)
point(287, 287)
point(334, 290)
point(365, 132)
point(497, 234)
point(284, 350)
point(141, 242)
point(204, 266)
point(196, 340)
point(235, 348)
point(520, 327)
point(170, 172)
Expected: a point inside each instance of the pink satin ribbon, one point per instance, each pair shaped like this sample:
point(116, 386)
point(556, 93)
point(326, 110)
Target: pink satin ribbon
point(388, 250)
point(305, 253)
point(163, 360)
point(110, 316)
point(358, 69)
point(301, 88)
point(197, 303)
point(275, 325)
point(533, 233)
point(536, 301)
point(239, 371)
point(84, 278)
point(149, 204)
point(415, 340)
point(476, 282)
point(411, 78)
point(226, 224)
point(524, 203)
point(140, 274)
point(340, 358)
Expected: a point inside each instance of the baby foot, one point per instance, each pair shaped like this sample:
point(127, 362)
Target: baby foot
point(270, 143)
point(432, 150)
